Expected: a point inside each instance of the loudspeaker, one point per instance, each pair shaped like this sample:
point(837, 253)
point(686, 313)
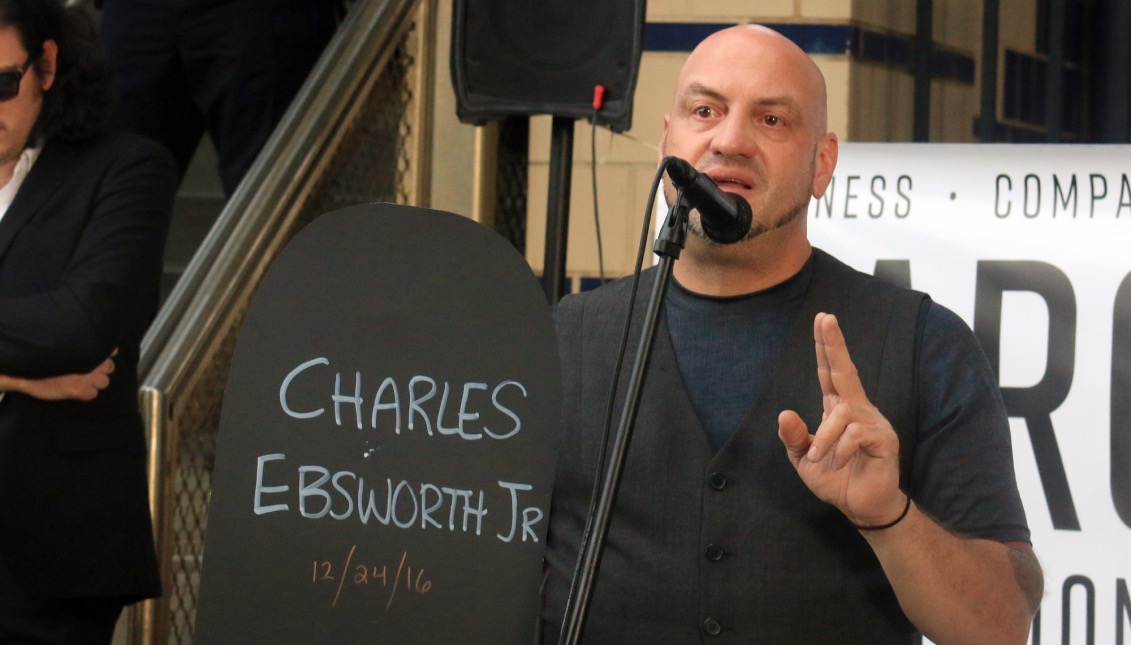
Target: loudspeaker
point(525, 57)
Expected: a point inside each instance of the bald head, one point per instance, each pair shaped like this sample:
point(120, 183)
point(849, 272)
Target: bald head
point(767, 60)
point(750, 111)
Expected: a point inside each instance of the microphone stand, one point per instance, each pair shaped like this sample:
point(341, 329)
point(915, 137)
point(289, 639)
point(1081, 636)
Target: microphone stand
point(669, 244)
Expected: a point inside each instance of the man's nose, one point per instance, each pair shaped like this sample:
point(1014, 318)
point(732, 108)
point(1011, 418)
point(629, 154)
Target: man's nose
point(735, 137)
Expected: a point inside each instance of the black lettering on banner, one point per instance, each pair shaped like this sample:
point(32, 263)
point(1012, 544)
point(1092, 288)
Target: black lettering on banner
point(826, 201)
point(1121, 402)
point(1063, 199)
point(875, 199)
point(878, 194)
point(1066, 195)
point(899, 189)
point(1124, 196)
point(1037, 200)
point(897, 272)
point(1035, 404)
point(1122, 609)
point(1066, 609)
point(849, 196)
point(1099, 191)
point(997, 196)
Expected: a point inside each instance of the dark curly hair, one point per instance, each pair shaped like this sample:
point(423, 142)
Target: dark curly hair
point(78, 103)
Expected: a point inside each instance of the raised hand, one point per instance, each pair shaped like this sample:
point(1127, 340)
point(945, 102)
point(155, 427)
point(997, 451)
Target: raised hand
point(852, 461)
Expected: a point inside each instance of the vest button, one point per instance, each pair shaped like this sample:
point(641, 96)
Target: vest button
point(714, 552)
point(718, 481)
point(711, 627)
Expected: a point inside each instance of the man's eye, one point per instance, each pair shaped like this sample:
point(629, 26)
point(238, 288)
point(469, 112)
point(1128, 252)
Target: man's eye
point(703, 112)
point(770, 119)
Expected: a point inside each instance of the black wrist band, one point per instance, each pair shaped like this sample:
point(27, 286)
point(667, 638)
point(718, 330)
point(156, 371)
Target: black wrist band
point(906, 507)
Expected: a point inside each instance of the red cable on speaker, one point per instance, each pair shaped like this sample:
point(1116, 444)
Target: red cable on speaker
point(598, 101)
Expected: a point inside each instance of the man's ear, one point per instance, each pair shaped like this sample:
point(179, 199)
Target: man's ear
point(664, 137)
point(827, 152)
point(46, 70)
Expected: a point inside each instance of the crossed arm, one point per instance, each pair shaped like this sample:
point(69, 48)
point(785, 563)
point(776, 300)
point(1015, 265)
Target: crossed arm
point(81, 387)
point(956, 590)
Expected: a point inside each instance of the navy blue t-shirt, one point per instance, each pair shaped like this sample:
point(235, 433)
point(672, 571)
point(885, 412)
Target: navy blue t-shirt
point(726, 348)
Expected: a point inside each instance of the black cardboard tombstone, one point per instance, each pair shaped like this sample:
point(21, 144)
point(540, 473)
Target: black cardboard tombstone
point(387, 441)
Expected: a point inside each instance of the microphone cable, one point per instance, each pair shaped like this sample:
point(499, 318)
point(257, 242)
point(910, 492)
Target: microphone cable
point(640, 251)
point(602, 455)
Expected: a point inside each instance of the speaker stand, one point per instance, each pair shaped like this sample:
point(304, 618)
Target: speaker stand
point(557, 208)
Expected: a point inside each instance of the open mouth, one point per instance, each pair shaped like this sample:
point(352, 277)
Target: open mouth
point(723, 183)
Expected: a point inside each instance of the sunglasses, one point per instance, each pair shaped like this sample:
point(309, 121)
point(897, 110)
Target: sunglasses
point(10, 82)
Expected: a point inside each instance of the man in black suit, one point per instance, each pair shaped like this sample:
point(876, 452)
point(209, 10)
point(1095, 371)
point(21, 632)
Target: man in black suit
point(226, 67)
point(83, 218)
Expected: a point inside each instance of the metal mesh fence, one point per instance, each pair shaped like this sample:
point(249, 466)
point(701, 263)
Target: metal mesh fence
point(511, 179)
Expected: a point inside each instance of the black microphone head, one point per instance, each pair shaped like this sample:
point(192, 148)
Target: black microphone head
point(681, 172)
point(724, 217)
point(731, 229)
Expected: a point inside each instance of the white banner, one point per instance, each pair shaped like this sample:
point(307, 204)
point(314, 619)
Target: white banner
point(1031, 245)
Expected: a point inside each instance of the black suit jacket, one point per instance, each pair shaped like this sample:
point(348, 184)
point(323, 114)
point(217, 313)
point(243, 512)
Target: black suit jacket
point(80, 261)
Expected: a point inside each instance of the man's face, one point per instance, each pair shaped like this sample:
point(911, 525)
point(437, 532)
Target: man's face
point(749, 112)
point(18, 114)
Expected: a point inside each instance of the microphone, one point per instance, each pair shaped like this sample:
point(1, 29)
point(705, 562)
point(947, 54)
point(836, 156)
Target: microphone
point(725, 217)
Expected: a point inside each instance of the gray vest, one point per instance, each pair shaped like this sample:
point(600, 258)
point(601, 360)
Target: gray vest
point(728, 547)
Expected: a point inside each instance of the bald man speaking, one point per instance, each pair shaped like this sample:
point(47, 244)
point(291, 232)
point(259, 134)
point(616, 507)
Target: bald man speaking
point(819, 456)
